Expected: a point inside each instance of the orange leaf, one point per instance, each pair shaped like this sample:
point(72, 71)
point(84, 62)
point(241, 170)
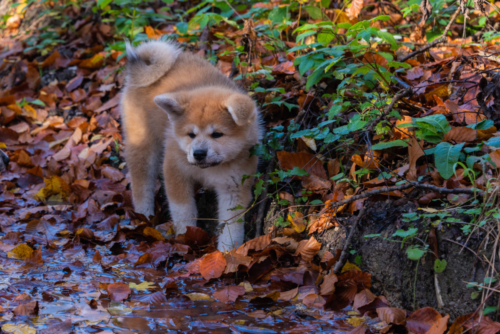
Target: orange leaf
point(92, 63)
point(256, 244)
point(314, 301)
point(212, 265)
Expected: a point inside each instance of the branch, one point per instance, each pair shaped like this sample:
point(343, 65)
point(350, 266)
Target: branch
point(441, 39)
point(345, 251)
point(407, 186)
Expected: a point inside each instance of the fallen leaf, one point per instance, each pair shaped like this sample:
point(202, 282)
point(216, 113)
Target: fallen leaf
point(308, 249)
point(212, 265)
point(118, 291)
point(229, 294)
point(427, 321)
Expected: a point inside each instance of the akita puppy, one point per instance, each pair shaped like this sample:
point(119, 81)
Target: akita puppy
point(178, 108)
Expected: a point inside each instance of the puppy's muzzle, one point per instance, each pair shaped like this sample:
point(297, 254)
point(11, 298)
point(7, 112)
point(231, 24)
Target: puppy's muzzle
point(200, 155)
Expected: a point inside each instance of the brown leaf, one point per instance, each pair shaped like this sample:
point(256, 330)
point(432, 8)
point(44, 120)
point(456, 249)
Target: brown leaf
point(427, 321)
point(153, 298)
point(316, 184)
point(234, 260)
point(256, 244)
point(495, 157)
point(49, 61)
point(369, 162)
point(460, 134)
point(229, 293)
point(308, 249)
point(314, 301)
point(391, 315)
point(414, 73)
point(284, 68)
point(109, 104)
point(97, 258)
point(486, 133)
point(196, 237)
point(363, 298)
point(328, 285)
point(27, 309)
point(289, 295)
point(414, 151)
point(118, 291)
point(212, 265)
point(333, 167)
point(302, 160)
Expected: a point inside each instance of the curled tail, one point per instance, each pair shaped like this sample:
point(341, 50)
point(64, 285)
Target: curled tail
point(149, 62)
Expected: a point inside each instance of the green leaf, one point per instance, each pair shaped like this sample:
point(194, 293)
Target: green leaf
point(446, 156)
point(278, 14)
point(483, 125)
point(103, 3)
point(314, 12)
point(372, 236)
point(439, 265)
point(495, 142)
point(259, 187)
point(386, 36)
point(326, 36)
point(414, 253)
point(489, 309)
point(182, 27)
point(394, 143)
point(404, 234)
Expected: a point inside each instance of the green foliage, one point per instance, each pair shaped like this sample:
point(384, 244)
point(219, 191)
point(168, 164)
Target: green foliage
point(446, 156)
point(439, 265)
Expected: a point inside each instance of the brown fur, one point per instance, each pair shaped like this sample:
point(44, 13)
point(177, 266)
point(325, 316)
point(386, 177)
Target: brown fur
point(189, 97)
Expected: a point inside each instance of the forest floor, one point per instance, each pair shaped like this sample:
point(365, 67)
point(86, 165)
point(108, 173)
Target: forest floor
point(380, 175)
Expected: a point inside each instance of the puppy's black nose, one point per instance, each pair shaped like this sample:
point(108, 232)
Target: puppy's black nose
point(200, 154)
point(4, 157)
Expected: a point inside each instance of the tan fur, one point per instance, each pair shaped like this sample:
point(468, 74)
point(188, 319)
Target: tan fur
point(189, 97)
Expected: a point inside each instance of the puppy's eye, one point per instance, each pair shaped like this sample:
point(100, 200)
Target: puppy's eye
point(192, 135)
point(216, 135)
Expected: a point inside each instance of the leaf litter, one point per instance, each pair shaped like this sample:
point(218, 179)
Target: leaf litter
point(77, 257)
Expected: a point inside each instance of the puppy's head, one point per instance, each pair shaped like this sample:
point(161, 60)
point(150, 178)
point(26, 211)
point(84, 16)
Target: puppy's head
point(212, 125)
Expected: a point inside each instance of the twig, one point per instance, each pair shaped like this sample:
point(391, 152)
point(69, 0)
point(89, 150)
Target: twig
point(463, 246)
point(345, 251)
point(436, 41)
point(263, 200)
point(408, 91)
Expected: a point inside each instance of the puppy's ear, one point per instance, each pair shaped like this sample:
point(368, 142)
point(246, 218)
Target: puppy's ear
point(242, 109)
point(171, 103)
